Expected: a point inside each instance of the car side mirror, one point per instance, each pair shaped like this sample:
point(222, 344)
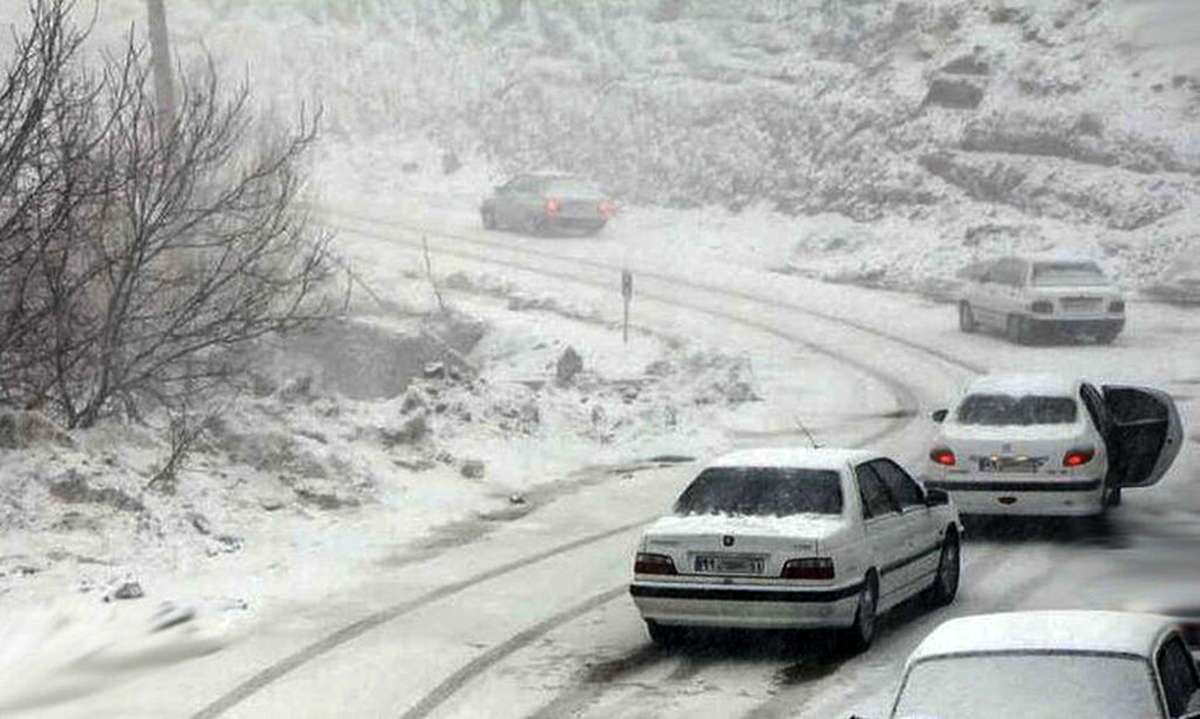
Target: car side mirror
point(939, 415)
point(936, 498)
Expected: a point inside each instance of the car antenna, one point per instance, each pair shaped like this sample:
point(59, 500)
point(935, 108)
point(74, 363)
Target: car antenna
point(812, 440)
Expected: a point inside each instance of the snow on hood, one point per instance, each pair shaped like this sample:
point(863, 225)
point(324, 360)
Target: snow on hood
point(808, 525)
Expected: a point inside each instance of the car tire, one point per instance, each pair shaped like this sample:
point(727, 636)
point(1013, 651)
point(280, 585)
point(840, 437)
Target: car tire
point(945, 582)
point(662, 635)
point(1017, 330)
point(1107, 337)
point(489, 218)
point(966, 318)
point(857, 638)
point(535, 225)
point(1113, 498)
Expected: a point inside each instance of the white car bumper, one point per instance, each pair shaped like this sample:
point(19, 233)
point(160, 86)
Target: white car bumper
point(758, 606)
point(1024, 496)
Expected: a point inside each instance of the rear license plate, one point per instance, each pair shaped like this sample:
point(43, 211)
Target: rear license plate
point(720, 564)
point(1015, 465)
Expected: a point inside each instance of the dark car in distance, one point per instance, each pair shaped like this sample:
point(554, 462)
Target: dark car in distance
point(543, 203)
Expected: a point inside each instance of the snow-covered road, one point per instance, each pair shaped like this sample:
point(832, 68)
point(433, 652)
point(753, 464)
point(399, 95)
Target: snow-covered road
point(535, 619)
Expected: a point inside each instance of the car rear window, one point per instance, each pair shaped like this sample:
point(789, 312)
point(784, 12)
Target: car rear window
point(762, 491)
point(998, 410)
point(1068, 274)
point(571, 186)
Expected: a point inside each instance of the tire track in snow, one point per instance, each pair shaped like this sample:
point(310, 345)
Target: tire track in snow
point(903, 394)
point(660, 276)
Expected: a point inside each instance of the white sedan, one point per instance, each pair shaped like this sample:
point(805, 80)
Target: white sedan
point(796, 538)
point(1049, 445)
point(1048, 665)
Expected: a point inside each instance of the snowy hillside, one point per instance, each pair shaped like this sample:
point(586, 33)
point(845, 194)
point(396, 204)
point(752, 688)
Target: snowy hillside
point(941, 128)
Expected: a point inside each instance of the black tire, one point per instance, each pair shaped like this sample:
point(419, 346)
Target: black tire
point(857, 638)
point(945, 582)
point(663, 635)
point(1017, 330)
point(1107, 337)
point(966, 318)
point(489, 218)
point(1113, 498)
point(535, 225)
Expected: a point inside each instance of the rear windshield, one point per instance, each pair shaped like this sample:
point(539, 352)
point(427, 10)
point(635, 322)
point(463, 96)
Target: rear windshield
point(762, 491)
point(571, 186)
point(1068, 274)
point(1002, 409)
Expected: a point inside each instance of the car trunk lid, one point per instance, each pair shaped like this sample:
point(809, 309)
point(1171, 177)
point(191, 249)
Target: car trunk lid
point(723, 545)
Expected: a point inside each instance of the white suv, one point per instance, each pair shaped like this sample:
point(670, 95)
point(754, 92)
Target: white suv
point(1026, 297)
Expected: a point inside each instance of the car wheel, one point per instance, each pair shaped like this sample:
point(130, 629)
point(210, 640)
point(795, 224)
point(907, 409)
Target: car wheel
point(966, 318)
point(535, 225)
point(1106, 337)
point(1017, 330)
point(945, 584)
point(662, 635)
point(1113, 498)
point(489, 218)
point(857, 638)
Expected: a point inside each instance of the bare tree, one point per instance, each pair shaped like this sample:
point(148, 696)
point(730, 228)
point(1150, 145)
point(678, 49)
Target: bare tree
point(136, 255)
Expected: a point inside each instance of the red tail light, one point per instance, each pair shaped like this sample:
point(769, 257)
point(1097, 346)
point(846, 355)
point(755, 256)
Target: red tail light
point(812, 568)
point(943, 456)
point(653, 564)
point(607, 209)
point(552, 206)
point(1078, 457)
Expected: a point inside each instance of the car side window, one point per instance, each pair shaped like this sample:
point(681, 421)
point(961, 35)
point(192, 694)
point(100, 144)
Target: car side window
point(877, 501)
point(902, 486)
point(1009, 272)
point(1177, 670)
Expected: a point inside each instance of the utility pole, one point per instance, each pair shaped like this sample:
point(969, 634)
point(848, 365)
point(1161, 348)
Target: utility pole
point(160, 57)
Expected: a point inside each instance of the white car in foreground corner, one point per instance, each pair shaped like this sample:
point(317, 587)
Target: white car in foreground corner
point(1050, 665)
point(796, 538)
point(1050, 445)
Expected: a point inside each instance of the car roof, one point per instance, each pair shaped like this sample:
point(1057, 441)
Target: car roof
point(1024, 383)
point(551, 175)
point(1074, 631)
point(798, 457)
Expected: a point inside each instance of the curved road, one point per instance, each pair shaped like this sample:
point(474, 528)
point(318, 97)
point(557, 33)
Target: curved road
point(536, 621)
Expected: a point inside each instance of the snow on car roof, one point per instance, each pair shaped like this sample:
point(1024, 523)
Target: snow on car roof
point(801, 457)
point(1020, 384)
point(1064, 255)
point(1066, 631)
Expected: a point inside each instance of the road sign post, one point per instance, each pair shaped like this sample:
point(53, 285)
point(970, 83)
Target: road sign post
point(627, 294)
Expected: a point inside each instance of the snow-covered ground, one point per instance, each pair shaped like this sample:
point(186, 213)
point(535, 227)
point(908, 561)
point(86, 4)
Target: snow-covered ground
point(329, 491)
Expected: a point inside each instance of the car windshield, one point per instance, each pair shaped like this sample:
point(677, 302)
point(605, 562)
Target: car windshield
point(571, 186)
point(1068, 274)
point(1030, 686)
point(762, 491)
point(998, 410)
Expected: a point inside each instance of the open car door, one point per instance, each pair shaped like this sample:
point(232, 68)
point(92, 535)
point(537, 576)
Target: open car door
point(1145, 437)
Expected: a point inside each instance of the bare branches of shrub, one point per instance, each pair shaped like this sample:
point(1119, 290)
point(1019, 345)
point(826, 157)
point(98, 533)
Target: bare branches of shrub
point(137, 256)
